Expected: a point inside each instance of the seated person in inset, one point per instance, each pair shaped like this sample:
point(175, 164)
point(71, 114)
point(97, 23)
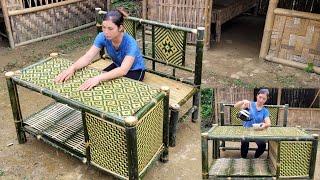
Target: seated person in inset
point(258, 115)
point(120, 46)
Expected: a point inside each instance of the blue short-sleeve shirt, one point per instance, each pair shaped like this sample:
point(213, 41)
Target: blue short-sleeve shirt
point(256, 116)
point(128, 47)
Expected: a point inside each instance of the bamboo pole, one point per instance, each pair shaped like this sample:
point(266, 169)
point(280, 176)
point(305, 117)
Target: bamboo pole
point(279, 96)
point(291, 63)
point(7, 22)
point(57, 34)
point(41, 8)
point(268, 29)
point(298, 14)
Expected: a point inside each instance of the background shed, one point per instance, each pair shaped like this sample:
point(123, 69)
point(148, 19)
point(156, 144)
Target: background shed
point(27, 21)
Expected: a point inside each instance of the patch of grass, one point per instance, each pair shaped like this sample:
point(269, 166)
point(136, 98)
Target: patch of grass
point(309, 68)
point(240, 83)
point(287, 81)
point(71, 44)
point(1, 172)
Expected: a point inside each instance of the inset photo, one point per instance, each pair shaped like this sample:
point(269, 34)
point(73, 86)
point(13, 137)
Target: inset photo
point(260, 132)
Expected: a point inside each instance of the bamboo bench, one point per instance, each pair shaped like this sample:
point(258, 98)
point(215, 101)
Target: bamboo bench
point(165, 50)
point(232, 112)
point(225, 10)
point(293, 153)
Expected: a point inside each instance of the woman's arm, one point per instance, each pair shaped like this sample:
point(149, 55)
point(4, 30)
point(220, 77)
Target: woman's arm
point(266, 123)
point(242, 104)
point(80, 63)
point(117, 72)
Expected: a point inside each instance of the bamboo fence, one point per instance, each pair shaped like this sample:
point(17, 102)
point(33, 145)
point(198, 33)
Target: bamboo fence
point(291, 37)
point(28, 21)
point(186, 13)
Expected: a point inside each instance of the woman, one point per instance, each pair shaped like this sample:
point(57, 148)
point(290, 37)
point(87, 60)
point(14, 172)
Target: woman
point(258, 115)
point(120, 46)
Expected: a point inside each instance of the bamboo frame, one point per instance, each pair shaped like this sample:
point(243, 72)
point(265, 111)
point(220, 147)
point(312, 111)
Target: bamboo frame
point(291, 63)
point(299, 14)
point(268, 29)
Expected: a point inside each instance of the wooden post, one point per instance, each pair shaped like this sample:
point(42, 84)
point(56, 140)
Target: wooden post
point(7, 22)
point(279, 96)
point(268, 29)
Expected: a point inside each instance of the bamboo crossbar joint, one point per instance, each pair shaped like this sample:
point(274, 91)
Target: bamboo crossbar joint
point(84, 160)
point(54, 54)
point(131, 121)
point(38, 136)
point(316, 136)
point(166, 89)
point(205, 134)
point(9, 74)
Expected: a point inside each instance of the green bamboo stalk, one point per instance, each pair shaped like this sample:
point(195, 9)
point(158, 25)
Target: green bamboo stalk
point(278, 160)
point(131, 137)
point(285, 116)
point(196, 103)
point(143, 40)
point(15, 105)
point(187, 97)
point(169, 64)
point(86, 136)
point(165, 140)
point(174, 115)
point(222, 114)
point(164, 25)
point(199, 56)
point(153, 47)
point(204, 152)
point(313, 158)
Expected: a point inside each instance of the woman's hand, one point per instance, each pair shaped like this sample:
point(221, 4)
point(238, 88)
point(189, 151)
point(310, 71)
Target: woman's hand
point(246, 104)
point(90, 83)
point(65, 75)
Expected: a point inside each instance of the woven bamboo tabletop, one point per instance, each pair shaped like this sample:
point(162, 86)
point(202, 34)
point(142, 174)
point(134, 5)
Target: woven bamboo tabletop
point(120, 97)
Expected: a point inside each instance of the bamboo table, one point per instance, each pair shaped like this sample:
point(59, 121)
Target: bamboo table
point(292, 153)
point(120, 126)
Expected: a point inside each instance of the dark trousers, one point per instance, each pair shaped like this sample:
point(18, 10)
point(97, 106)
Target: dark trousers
point(245, 148)
point(135, 74)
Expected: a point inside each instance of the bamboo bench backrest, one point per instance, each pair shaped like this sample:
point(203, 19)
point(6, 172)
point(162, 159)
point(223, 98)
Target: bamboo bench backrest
point(273, 114)
point(166, 46)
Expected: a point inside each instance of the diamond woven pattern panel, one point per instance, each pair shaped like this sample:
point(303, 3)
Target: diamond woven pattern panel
point(121, 97)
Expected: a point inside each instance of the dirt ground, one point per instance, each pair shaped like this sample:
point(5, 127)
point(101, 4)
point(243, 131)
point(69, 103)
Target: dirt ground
point(233, 62)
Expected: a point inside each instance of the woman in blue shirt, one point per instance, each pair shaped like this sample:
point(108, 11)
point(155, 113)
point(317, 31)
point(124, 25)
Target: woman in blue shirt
point(258, 115)
point(120, 46)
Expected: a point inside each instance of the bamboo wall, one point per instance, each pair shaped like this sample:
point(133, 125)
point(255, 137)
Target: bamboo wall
point(312, 6)
point(51, 18)
point(186, 13)
point(304, 117)
point(296, 38)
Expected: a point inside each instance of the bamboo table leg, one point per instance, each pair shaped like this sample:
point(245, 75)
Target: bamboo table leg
point(15, 105)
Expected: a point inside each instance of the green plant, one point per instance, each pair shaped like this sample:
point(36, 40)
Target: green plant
point(309, 68)
point(1, 172)
point(206, 103)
